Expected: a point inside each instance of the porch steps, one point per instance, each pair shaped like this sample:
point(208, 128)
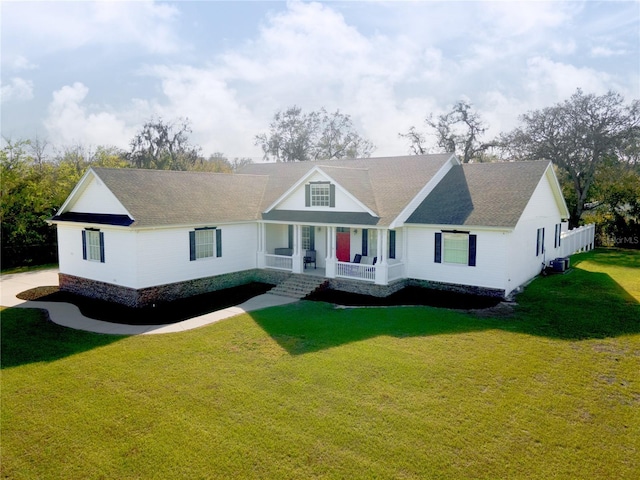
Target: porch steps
point(299, 286)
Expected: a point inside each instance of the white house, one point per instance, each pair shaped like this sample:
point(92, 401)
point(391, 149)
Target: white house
point(372, 226)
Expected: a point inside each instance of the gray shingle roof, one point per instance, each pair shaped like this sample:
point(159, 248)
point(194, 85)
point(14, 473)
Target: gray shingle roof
point(483, 194)
point(385, 184)
point(161, 197)
point(475, 195)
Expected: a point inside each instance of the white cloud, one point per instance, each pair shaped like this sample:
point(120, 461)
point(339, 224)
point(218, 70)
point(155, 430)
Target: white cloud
point(18, 90)
point(49, 27)
point(607, 52)
point(220, 122)
point(19, 63)
point(388, 74)
point(549, 80)
point(308, 56)
point(68, 120)
point(525, 18)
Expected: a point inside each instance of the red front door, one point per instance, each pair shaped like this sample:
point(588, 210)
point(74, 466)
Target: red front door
point(343, 246)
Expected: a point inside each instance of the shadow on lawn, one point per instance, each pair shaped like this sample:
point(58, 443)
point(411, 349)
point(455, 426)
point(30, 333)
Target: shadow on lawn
point(27, 336)
point(575, 306)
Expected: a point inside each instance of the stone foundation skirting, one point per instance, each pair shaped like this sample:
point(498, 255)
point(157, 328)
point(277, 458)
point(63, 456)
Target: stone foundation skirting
point(366, 288)
point(454, 287)
point(165, 293)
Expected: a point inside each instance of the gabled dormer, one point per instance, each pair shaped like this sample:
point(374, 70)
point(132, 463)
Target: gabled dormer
point(327, 190)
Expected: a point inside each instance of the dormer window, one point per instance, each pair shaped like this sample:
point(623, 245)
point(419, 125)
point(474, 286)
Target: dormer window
point(320, 194)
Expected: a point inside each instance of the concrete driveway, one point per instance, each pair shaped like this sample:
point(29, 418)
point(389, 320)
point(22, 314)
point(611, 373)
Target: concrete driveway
point(69, 315)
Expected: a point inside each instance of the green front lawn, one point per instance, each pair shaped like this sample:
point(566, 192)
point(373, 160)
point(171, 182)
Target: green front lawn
point(310, 391)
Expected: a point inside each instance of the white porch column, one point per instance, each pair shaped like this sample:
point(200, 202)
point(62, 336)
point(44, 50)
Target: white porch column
point(382, 267)
point(330, 262)
point(297, 257)
point(262, 245)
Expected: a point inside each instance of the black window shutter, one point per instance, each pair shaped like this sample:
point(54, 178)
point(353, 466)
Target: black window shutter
point(84, 244)
point(365, 242)
point(332, 195)
point(537, 242)
point(101, 247)
point(218, 243)
point(392, 244)
point(290, 236)
point(437, 254)
point(542, 246)
point(307, 195)
point(472, 250)
point(312, 238)
point(192, 246)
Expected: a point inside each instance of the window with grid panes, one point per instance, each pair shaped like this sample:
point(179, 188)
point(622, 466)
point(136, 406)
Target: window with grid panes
point(320, 194)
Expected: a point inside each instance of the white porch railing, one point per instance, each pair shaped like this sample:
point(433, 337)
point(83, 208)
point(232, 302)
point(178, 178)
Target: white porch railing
point(396, 271)
point(278, 262)
point(579, 239)
point(356, 270)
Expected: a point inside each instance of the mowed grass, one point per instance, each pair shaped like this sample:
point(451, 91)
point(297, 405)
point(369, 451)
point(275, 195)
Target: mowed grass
point(310, 391)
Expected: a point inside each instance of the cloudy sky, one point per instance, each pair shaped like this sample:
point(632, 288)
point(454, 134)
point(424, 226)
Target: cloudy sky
point(94, 72)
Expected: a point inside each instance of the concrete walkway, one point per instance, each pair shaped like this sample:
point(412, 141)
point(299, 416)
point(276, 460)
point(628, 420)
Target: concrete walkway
point(69, 315)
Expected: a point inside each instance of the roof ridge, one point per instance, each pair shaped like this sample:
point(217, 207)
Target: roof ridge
point(154, 171)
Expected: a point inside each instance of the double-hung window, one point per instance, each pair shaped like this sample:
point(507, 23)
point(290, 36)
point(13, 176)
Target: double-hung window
point(557, 241)
point(369, 242)
point(456, 248)
point(320, 194)
point(93, 245)
point(205, 243)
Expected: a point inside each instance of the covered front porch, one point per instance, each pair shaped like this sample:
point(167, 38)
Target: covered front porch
point(359, 253)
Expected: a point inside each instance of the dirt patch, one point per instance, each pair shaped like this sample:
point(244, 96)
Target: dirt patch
point(501, 310)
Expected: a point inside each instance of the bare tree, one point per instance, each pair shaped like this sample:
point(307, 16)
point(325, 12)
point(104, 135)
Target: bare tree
point(457, 131)
point(38, 147)
point(295, 136)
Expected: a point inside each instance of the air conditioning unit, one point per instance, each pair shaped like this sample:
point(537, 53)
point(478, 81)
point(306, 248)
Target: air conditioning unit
point(558, 265)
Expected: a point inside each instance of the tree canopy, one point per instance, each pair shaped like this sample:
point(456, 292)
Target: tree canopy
point(578, 135)
point(163, 146)
point(295, 136)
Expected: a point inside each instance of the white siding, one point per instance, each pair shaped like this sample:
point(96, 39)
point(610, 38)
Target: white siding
point(490, 270)
point(119, 267)
point(163, 255)
point(542, 211)
point(97, 198)
point(296, 200)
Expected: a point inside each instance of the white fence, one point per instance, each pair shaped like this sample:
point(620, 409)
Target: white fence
point(278, 262)
point(356, 270)
point(579, 239)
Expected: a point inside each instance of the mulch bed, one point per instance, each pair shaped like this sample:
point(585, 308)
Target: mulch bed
point(409, 296)
point(183, 309)
point(162, 313)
